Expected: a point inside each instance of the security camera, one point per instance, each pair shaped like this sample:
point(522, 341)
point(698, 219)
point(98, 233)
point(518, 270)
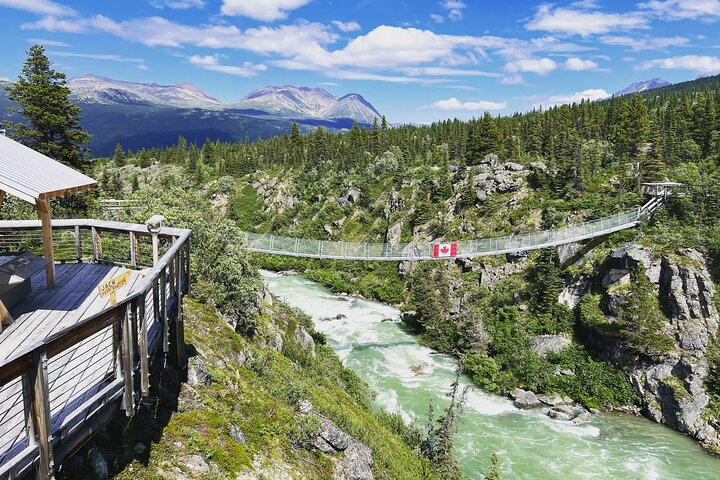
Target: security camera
point(154, 223)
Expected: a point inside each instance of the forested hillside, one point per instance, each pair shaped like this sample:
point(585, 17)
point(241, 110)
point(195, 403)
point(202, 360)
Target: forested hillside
point(631, 317)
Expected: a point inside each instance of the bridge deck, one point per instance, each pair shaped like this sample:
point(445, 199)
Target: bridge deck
point(77, 374)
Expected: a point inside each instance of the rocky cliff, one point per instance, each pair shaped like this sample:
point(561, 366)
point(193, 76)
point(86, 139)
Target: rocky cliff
point(669, 373)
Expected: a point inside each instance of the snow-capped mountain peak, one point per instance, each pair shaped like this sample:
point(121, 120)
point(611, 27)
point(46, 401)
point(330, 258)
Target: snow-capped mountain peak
point(305, 102)
point(639, 87)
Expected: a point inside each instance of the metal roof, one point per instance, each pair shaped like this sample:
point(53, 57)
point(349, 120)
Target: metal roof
point(32, 176)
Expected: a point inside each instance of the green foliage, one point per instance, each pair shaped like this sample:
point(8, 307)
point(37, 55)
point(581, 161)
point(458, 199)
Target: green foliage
point(493, 471)
point(641, 322)
point(53, 126)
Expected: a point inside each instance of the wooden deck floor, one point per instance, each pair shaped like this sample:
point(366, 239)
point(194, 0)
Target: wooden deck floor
point(74, 375)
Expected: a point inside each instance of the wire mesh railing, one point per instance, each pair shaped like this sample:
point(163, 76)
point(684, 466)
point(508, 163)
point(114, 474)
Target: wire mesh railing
point(301, 247)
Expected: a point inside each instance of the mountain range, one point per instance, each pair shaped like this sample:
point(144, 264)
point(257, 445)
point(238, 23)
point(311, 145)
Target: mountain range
point(144, 115)
point(640, 87)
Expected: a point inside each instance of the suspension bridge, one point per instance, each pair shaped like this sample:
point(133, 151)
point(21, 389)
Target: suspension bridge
point(339, 250)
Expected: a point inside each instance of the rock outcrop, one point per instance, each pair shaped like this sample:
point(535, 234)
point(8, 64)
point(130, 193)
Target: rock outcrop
point(356, 463)
point(542, 345)
point(671, 385)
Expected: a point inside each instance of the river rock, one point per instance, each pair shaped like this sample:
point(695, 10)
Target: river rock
point(576, 414)
point(420, 368)
point(552, 400)
point(542, 345)
point(237, 434)
point(525, 399)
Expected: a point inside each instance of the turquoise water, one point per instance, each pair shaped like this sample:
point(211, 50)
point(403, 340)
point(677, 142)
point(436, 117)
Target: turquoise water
point(529, 443)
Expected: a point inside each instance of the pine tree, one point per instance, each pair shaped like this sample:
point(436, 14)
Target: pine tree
point(54, 121)
point(119, 156)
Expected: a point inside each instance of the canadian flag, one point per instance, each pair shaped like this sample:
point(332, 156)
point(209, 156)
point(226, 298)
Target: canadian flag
point(444, 250)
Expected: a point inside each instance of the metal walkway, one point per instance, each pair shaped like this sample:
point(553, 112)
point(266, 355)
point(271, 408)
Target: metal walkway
point(327, 249)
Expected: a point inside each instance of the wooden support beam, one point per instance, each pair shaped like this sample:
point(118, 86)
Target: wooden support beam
point(5, 316)
point(126, 354)
point(43, 207)
point(144, 355)
point(133, 253)
point(93, 232)
point(38, 422)
point(155, 248)
point(78, 245)
point(2, 198)
point(163, 311)
point(180, 330)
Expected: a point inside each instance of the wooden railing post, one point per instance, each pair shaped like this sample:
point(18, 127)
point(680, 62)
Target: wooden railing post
point(144, 355)
point(126, 359)
point(93, 232)
point(179, 324)
point(37, 413)
point(133, 253)
point(163, 310)
point(187, 266)
point(78, 244)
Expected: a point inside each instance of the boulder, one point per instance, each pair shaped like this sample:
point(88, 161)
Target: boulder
point(552, 400)
point(513, 167)
point(394, 233)
point(420, 368)
point(98, 464)
point(351, 197)
point(356, 463)
point(197, 374)
point(197, 464)
point(525, 399)
point(490, 159)
point(571, 294)
point(574, 413)
point(237, 434)
point(538, 167)
point(544, 344)
point(506, 182)
point(306, 342)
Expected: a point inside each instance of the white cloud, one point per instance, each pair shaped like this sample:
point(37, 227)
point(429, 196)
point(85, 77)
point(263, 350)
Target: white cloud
point(346, 26)
point(448, 72)
point(143, 67)
point(212, 62)
point(264, 10)
point(591, 94)
point(513, 80)
point(576, 64)
point(178, 4)
point(580, 21)
point(697, 63)
point(455, 104)
point(42, 7)
point(541, 66)
point(4, 79)
point(47, 43)
point(705, 10)
point(95, 56)
point(645, 43)
point(437, 18)
point(454, 8)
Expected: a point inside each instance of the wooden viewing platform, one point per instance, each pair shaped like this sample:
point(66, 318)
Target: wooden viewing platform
point(70, 361)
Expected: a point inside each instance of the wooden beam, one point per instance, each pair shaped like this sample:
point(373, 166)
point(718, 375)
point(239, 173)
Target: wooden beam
point(38, 410)
point(2, 197)
point(144, 356)
point(43, 207)
point(5, 316)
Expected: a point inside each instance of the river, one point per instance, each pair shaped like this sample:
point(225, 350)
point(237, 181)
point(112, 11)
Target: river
point(529, 443)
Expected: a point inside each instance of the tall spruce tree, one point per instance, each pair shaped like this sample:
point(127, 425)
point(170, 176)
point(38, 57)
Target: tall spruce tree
point(53, 121)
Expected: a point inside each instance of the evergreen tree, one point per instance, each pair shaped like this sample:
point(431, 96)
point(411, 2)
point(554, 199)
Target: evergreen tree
point(54, 121)
point(119, 156)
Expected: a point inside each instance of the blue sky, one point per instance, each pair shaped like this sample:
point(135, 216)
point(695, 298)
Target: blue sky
point(416, 61)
